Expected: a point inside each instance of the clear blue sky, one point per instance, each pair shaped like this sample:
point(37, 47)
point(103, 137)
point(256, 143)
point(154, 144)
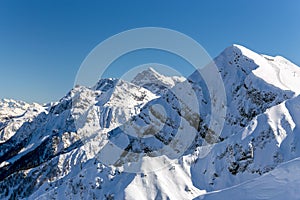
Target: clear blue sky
point(42, 43)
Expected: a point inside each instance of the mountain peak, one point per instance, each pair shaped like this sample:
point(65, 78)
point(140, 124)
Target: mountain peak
point(151, 79)
point(236, 49)
point(105, 84)
point(149, 72)
point(259, 59)
point(276, 71)
point(150, 69)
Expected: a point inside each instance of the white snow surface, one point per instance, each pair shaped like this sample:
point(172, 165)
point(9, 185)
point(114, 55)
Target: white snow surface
point(277, 70)
point(281, 183)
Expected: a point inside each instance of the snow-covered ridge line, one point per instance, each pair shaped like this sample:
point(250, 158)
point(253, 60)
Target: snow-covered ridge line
point(277, 70)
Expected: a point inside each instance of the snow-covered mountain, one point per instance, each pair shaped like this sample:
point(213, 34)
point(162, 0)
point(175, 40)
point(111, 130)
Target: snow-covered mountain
point(159, 127)
point(267, 141)
point(13, 114)
point(254, 83)
point(155, 82)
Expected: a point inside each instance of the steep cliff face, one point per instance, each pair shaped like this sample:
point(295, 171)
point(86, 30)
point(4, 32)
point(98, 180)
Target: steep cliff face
point(145, 139)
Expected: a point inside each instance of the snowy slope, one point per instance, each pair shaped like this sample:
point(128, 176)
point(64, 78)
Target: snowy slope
point(270, 139)
point(281, 183)
point(276, 71)
point(253, 83)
